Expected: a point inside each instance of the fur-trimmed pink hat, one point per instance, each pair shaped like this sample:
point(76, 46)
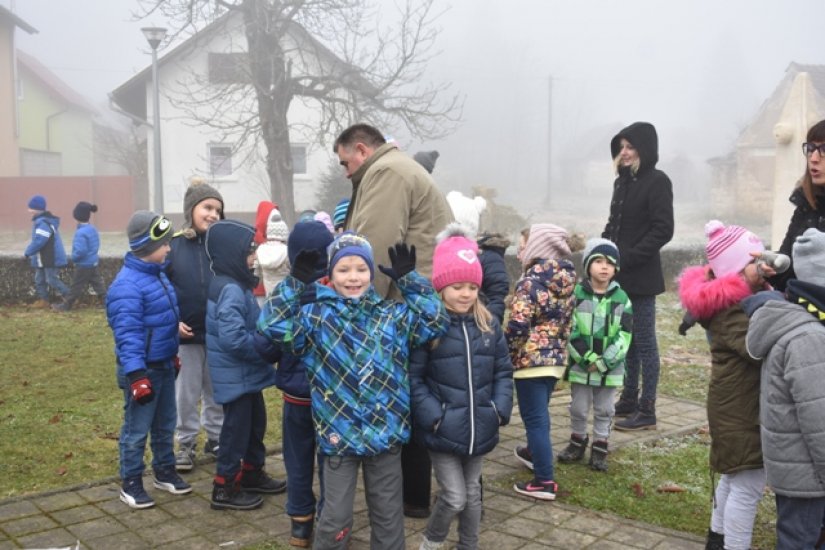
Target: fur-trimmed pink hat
point(729, 247)
point(455, 259)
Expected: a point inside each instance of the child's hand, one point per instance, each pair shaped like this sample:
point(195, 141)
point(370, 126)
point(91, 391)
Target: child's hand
point(304, 267)
point(140, 387)
point(402, 259)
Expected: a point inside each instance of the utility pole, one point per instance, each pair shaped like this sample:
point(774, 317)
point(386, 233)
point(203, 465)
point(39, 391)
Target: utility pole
point(548, 195)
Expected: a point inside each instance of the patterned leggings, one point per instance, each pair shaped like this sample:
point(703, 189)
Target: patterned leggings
point(643, 353)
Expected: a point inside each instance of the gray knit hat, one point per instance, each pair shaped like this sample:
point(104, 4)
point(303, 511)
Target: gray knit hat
point(809, 257)
point(599, 248)
point(147, 232)
point(426, 159)
point(197, 192)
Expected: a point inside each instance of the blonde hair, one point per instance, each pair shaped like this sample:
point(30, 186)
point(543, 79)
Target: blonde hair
point(634, 168)
point(481, 315)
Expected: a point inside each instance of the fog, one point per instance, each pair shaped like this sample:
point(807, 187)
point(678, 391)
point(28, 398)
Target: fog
point(698, 70)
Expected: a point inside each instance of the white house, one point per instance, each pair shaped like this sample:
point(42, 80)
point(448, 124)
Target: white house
point(194, 140)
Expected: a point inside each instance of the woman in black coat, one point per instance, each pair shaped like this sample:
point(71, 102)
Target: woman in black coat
point(640, 223)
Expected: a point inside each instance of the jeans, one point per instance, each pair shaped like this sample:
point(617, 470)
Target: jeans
point(459, 482)
point(194, 388)
point(643, 353)
point(533, 402)
point(242, 434)
point(735, 501)
point(382, 486)
point(601, 397)
point(298, 435)
point(139, 421)
point(798, 521)
point(48, 276)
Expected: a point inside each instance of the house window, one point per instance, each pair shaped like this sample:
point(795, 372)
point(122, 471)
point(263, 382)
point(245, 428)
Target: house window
point(299, 159)
point(40, 163)
point(220, 159)
point(229, 68)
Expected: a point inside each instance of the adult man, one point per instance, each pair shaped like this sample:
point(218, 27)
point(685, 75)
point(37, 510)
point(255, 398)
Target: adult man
point(393, 199)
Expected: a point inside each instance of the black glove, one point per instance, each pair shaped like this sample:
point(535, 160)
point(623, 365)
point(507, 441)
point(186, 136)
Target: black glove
point(304, 268)
point(140, 387)
point(402, 259)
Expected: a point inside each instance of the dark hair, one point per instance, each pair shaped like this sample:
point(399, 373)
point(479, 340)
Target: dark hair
point(815, 133)
point(359, 133)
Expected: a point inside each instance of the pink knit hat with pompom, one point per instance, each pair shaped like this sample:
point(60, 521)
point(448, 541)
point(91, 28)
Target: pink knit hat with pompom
point(729, 247)
point(455, 259)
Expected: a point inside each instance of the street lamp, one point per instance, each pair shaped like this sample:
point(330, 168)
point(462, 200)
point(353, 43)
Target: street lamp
point(155, 35)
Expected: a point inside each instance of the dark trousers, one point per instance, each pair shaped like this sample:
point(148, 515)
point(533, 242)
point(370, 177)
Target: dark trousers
point(242, 434)
point(83, 278)
point(798, 521)
point(415, 471)
point(298, 435)
point(643, 354)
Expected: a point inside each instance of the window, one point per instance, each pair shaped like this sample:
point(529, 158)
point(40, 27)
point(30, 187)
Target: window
point(228, 68)
point(299, 159)
point(220, 159)
point(40, 163)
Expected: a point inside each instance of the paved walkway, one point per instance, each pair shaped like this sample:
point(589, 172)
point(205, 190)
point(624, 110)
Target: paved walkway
point(93, 517)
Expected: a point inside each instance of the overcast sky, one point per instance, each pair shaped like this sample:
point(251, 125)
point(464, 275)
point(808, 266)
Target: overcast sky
point(697, 69)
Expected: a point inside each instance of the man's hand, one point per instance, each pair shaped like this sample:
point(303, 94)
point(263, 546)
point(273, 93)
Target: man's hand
point(140, 387)
point(402, 260)
point(305, 265)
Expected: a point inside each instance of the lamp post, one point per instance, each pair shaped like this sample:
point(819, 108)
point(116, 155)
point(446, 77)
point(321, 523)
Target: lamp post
point(155, 35)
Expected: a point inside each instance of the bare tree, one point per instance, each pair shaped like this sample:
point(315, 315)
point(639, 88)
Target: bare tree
point(126, 149)
point(339, 55)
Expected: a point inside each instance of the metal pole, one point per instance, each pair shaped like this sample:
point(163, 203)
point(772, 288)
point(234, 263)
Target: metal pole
point(156, 134)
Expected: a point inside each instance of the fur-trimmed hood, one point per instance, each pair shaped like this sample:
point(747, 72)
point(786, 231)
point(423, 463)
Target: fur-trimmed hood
point(704, 296)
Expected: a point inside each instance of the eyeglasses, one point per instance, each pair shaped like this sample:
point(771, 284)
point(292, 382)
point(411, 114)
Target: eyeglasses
point(809, 147)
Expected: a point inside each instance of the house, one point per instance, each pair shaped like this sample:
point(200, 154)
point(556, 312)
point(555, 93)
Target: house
point(203, 88)
point(9, 128)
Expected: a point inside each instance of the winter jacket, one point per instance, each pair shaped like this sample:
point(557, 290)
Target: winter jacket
point(265, 208)
point(462, 389)
point(804, 217)
point(394, 199)
point(790, 341)
point(495, 283)
point(142, 311)
point(274, 264)
point(188, 269)
point(232, 313)
point(46, 247)
point(85, 246)
point(356, 351)
point(733, 393)
point(641, 214)
point(600, 336)
point(539, 324)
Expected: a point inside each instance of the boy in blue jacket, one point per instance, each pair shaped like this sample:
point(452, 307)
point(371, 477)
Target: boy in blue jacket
point(239, 374)
point(85, 248)
point(45, 252)
point(142, 311)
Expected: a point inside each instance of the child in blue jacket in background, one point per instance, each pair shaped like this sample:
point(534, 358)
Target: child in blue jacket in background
point(462, 391)
point(85, 249)
point(45, 252)
point(142, 310)
point(356, 347)
point(239, 374)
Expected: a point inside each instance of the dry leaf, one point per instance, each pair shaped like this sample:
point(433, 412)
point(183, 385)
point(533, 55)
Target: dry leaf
point(638, 490)
point(61, 471)
point(68, 455)
point(670, 488)
point(56, 418)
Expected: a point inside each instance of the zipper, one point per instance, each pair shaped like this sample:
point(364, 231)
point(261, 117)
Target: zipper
point(470, 387)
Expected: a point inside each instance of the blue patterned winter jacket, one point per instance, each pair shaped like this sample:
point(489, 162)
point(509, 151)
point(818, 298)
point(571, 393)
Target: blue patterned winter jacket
point(356, 351)
point(85, 246)
point(142, 310)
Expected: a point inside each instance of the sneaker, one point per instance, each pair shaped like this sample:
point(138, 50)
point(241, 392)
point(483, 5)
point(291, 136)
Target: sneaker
point(134, 495)
point(41, 304)
point(524, 455)
point(185, 459)
point(544, 490)
point(211, 448)
point(227, 495)
point(168, 480)
point(258, 481)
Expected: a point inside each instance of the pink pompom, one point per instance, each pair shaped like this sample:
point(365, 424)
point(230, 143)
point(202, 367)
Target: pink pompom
point(713, 227)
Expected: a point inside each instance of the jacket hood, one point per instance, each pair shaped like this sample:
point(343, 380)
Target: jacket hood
point(228, 243)
point(642, 135)
point(48, 217)
point(493, 240)
point(771, 322)
point(703, 296)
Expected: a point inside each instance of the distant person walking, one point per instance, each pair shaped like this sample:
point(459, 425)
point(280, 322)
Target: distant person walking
point(85, 250)
point(45, 252)
point(640, 223)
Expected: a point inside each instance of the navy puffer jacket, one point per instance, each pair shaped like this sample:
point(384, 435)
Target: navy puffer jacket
point(462, 390)
point(188, 269)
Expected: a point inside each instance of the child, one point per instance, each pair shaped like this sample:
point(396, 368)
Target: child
point(356, 347)
point(713, 295)
point(600, 337)
point(789, 336)
point(537, 334)
point(339, 215)
point(273, 260)
point(462, 391)
point(142, 310)
point(265, 209)
point(239, 373)
point(45, 252)
point(495, 283)
point(85, 248)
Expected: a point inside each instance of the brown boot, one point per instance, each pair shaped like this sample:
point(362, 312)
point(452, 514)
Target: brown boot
point(40, 304)
point(301, 535)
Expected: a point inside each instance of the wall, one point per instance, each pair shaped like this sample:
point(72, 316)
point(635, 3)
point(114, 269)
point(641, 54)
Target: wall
point(9, 156)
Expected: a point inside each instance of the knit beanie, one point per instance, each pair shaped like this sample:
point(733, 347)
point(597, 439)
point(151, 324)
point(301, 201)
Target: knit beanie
point(197, 192)
point(309, 235)
point(809, 257)
point(599, 248)
point(83, 211)
point(729, 247)
point(37, 202)
point(339, 215)
point(427, 159)
point(147, 232)
point(455, 258)
point(546, 242)
point(350, 243)
point(324, 218)
point(466, 211)
point(276, 229)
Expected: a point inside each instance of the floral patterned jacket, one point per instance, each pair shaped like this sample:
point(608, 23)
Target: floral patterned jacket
point(540, 319)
